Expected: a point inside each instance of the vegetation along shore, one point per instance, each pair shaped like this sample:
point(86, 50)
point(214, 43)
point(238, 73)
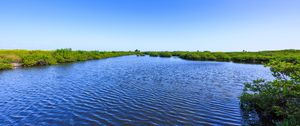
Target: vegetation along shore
point(239, 57)
point(28, 58)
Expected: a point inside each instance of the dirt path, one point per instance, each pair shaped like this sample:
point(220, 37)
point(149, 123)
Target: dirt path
point(16, 65)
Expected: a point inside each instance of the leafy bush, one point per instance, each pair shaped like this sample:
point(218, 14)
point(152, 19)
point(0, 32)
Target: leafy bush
point(10, 58)
point(289, 122)
point(220, 56)
point(5, 66)
point(165, 54)
point(278, 100)
point(153, 54)
point(64, 55)
point(38, 59)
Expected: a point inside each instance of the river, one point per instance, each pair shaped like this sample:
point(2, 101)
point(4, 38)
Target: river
point(127, 90)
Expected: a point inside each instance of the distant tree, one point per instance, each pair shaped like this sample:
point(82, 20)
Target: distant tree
point(137, 51)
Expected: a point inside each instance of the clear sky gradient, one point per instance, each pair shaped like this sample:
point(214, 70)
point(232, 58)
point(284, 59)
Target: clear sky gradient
point(216, 25)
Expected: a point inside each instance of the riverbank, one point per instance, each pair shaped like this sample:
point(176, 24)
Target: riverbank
point(260, 57)
point(10, 59)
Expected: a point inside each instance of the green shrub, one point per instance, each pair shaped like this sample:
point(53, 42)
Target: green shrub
point(64, 55)
point(10, 58)
point(5, 66)
point(289, 122)
point(165, 54)
point(154, 54)
point(278, 100)
point(190, 56)
point(29, 61)
point(38, 59)
point(220, 56)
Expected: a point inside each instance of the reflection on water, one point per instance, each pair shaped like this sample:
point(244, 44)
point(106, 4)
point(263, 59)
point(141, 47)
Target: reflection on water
point(126, 90)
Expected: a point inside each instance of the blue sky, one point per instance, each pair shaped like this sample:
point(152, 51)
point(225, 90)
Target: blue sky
point(216, 25)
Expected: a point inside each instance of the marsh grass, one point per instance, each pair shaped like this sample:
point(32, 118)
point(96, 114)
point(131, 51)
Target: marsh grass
point(238, 57)
point(29, 58)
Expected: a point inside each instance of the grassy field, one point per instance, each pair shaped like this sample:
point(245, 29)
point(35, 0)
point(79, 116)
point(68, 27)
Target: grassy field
point(28, 58)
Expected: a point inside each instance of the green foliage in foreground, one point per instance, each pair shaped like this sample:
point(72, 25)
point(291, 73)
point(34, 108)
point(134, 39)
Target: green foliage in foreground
point(277, 100)
point(40, 58)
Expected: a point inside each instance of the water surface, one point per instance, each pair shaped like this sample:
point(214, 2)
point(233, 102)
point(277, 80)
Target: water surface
point(126, 90)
